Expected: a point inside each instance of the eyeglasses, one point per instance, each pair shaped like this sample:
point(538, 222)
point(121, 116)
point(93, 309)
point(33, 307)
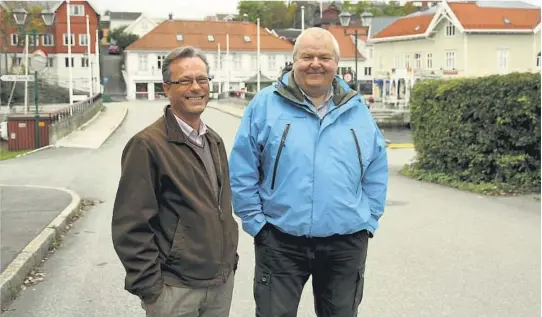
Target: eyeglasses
point(187, 82)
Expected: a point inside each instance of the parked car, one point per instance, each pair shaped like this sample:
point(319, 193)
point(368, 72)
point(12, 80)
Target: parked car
point(113, 49)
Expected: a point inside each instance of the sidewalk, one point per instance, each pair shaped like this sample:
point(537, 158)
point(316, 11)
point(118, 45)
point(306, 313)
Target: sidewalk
point(30, 219)
point(95, 132)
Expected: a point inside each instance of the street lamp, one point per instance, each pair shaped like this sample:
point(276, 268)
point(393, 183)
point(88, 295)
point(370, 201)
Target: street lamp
point(344, 18)
point(48, 16)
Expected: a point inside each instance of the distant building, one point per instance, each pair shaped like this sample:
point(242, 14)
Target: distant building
point(54, 42)
point(144, 58)
point(455, 39)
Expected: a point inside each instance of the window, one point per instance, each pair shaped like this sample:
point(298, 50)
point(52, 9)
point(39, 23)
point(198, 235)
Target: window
point(418, 60)
point(396, 62)
point(211, 38)
point(69, 40)
point(179, 37)
point(429, 61)
point(380, 62)
point(271, 62)
point(160, 60)
point(367, 71)
point(538, 60)
point(407, 61)
point(67, 62)
point(502, 59)
point(84, 61)
point(50, 62)
point(14, 39)
point(450, 29)
point(77, 10)
point(83, 40)
point(142, 62)
point(237, 61)
point(47, 40)
point(31, 40)
point(450, 60)
point(254, 62)
point(247, 38)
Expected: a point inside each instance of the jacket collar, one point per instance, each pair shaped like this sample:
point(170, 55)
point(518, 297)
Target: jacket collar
point(174, 133)
point(288, 88)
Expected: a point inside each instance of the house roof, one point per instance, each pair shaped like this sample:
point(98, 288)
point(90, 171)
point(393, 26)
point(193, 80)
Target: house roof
point(346, 43)
point(471, 15)
point(130, 16)
point(52, 5)
point(492, 15)
point(379, 23)
point(195, 33)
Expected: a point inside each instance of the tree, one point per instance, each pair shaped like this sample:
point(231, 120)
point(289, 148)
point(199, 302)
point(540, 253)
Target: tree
point(272, 14)
point(254, 9)
point(121, 37)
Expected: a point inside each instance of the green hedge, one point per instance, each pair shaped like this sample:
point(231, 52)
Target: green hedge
point(479, 130)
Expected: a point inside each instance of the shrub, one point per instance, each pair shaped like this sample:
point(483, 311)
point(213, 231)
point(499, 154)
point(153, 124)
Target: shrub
point(480, 130)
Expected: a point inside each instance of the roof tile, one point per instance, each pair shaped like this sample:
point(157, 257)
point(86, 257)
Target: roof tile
point(195, 33)
point(410, 25)
point(473, 16)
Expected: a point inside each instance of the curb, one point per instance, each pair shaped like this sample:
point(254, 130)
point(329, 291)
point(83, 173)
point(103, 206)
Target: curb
point(115, 127)
point(36, 150)
point(401, 146)
point(31, 256)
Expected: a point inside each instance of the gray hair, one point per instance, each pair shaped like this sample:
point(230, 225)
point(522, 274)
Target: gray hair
point(318, 33)
point(181, 52)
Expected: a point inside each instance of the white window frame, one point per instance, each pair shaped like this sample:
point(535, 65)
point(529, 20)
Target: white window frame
point(502, 60)
point(81, 40)
point(85, 62)
point(14, 39)
point(210, 38)
point(450, 61)
point(450, 29)
point(247, 38)
point(77, 10)
point(538, 59)
point(418, 60)
point(254, 62)
point(429, 60)
point(65, 38)
point(237, 61)
point(160, 61)
point(179, 37)
point(368, 71)
point(31, 40)
point(271, 62)
point(50, 41)
point(66, 59)
point(396, 61)
point(407, 61)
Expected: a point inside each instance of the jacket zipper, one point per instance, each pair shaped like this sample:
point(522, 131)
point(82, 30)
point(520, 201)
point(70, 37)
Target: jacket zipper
point(282, 141)
point(221, 215)
point(360, 158)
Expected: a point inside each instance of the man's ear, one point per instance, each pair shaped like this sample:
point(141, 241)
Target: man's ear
point(166, 88)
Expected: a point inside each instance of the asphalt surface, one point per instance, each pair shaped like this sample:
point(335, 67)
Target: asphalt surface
point(24, 213)
point(439, 251)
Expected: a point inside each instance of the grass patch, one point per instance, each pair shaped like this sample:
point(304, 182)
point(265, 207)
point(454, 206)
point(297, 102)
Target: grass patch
point(5, 154)
point(490, 189)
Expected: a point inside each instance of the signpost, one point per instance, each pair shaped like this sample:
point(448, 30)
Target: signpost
point(38, 62)
point(16, 78)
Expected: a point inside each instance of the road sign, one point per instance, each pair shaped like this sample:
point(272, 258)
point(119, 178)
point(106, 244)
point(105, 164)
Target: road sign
point(38, 60)
point(106, 79)
point(16, 78)
point(347, 77)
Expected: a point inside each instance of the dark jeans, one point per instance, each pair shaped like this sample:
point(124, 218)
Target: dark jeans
point(285, 262)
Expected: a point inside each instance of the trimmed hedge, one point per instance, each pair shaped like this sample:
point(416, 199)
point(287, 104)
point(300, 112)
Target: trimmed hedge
point(481, 131)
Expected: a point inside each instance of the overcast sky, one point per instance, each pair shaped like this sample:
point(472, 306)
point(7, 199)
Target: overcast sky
point(181, 9)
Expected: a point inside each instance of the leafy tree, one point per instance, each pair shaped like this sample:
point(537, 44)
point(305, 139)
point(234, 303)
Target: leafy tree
point(253, 9)
point(272, 14)
point(121, 37)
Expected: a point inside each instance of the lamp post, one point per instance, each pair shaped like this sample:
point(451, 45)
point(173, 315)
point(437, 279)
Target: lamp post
point(48, 16)
point(366, 18)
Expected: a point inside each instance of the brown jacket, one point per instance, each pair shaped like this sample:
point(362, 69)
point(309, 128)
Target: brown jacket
point(168, 226)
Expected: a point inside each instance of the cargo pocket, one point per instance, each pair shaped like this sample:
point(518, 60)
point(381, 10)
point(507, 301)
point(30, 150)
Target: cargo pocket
point(262, 294)
point(359, 290)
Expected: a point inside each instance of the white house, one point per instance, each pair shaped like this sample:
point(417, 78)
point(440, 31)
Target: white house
point(230, 47)
point(455, 39)
point(120, 19)
point(143, 25)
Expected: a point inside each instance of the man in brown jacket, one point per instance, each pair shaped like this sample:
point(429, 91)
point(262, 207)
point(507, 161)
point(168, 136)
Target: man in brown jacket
point(172, 225)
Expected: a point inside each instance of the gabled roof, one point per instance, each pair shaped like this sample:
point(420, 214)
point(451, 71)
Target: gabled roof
point(52, 5)
point(380, 23)
point(195, 33)
point(467, 16)
point(346, 43)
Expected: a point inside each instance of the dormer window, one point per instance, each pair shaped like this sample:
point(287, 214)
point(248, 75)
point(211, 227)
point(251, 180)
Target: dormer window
point(211, 38)
point(247, 38)
point(179, 37)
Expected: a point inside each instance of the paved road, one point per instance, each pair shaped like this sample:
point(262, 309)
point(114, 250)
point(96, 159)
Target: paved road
point(24, 213)
point(439, 252)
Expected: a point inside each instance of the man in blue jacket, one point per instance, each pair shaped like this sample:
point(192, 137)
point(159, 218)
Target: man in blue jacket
point(309, 179)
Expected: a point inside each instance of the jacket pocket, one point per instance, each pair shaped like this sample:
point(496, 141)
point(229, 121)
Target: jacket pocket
point(177, 244)
point(360, 157)
point(279, 152)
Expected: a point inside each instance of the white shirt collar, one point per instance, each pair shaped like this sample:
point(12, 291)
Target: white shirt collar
point(188, 130)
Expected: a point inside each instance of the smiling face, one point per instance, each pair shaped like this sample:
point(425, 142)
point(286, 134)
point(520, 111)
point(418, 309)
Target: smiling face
point(315, 63)
point(188, 89)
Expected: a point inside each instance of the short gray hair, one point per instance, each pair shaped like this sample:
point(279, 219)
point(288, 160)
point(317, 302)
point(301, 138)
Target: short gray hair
point(317, 32)
point(181, 52)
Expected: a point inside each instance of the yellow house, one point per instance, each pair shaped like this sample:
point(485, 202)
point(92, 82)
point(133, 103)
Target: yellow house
point(467, 39)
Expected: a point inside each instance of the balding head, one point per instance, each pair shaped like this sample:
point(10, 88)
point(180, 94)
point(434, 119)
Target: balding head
point(317, 34)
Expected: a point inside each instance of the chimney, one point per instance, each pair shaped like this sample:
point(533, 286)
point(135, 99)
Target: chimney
point(171, 17)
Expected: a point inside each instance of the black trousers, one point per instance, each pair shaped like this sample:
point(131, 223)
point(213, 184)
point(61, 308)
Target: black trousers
point(285, 262)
